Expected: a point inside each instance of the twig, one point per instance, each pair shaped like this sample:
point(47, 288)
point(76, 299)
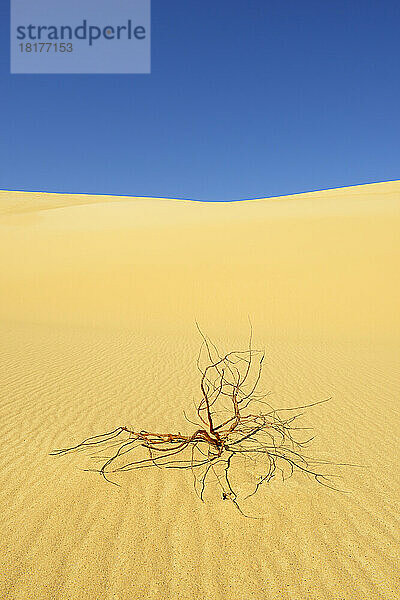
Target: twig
point(218, 441)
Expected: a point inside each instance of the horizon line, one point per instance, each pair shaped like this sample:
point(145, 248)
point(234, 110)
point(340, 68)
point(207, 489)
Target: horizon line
point(198, 200)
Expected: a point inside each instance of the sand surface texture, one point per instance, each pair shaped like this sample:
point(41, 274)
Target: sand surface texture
point(98, 302)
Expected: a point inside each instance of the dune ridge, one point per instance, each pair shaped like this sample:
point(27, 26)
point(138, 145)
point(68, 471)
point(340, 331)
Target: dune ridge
point(16, 202)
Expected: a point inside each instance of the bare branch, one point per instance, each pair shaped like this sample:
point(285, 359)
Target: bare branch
point(267, 438)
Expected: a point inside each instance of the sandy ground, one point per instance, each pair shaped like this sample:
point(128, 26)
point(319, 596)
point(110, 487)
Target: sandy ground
point(98, 302)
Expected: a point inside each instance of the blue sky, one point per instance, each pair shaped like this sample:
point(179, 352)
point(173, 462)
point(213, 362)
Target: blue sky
point(246, 99)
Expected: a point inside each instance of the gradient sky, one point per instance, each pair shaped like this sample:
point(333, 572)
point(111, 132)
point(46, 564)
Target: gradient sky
point(246, 99)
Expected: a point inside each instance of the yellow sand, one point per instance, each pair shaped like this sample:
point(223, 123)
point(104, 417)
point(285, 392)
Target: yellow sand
point(98, 301)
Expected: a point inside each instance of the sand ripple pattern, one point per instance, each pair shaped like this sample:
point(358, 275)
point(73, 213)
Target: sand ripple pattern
point(67, 534)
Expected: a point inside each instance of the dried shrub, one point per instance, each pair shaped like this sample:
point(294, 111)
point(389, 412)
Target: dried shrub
point(233, 422)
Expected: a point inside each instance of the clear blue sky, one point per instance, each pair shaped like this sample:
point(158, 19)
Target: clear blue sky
point(246, 99)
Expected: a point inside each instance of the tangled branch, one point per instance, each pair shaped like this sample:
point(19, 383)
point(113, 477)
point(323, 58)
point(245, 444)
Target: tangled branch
point(228, 427)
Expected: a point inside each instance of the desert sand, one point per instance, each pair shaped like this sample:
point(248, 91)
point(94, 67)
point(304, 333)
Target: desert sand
point(99, 298)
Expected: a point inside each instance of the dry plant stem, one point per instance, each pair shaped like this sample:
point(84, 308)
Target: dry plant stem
point(228, 428)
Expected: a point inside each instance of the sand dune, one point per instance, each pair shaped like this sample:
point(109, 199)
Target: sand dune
point(99, 297)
